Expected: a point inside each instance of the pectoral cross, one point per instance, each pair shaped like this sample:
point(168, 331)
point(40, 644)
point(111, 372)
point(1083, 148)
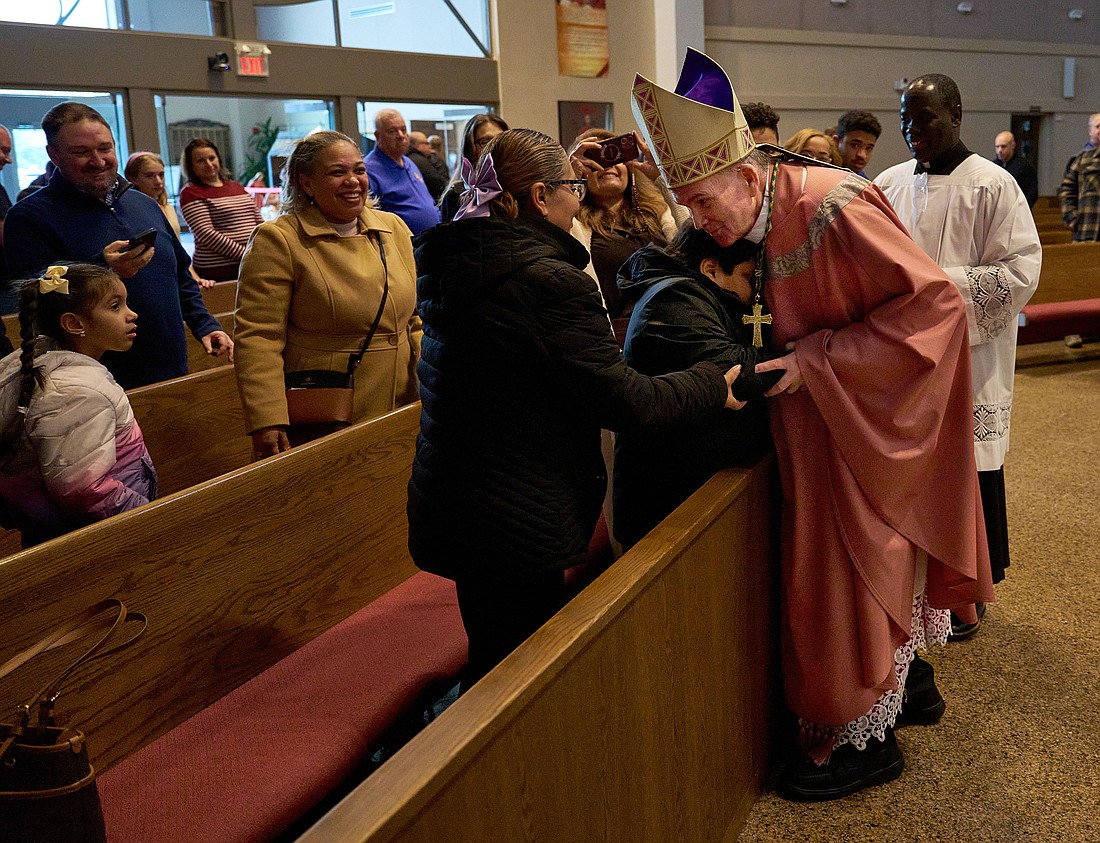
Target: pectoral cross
point(757, 319)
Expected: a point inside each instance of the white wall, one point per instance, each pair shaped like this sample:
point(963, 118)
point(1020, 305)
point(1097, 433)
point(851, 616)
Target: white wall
point(810, 78)
point(530, 86)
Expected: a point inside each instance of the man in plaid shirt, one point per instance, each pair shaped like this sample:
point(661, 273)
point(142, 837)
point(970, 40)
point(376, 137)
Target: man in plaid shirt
point(1080, 190)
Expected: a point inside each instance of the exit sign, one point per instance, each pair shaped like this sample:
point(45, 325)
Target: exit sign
point(252, 66)
point(252, 59)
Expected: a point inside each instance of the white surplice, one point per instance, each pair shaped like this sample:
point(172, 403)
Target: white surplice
point(976, 224)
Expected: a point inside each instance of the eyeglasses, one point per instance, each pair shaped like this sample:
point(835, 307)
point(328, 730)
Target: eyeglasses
point(578, 186)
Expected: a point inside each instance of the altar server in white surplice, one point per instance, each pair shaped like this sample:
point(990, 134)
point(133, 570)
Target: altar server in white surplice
point(970, 216)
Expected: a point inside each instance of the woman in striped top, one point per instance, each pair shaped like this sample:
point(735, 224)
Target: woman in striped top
point(219, 211)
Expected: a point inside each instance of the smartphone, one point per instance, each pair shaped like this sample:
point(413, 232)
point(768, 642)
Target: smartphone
point(142, 241)
point(615, 151)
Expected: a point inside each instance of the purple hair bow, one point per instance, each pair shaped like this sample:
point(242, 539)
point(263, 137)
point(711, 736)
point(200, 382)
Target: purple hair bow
point(482, 187)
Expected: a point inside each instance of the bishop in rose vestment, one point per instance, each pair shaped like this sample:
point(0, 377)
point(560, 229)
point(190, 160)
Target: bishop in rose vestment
point(882, 526)
point(875, 452)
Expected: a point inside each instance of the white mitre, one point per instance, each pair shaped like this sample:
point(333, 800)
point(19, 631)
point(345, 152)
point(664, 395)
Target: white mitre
point(697, 130)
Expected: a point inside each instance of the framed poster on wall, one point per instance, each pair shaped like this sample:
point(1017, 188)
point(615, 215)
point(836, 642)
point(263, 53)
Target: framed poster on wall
point(576, 117)
point(582, 37)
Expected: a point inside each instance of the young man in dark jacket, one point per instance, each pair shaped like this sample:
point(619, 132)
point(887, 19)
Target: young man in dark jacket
point(694, 296)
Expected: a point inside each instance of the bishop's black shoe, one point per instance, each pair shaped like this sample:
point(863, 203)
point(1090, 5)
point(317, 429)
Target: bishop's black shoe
point(924, 704)
point(849, 770)
point(960, 630)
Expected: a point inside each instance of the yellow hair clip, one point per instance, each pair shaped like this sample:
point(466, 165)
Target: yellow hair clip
point(54, 281)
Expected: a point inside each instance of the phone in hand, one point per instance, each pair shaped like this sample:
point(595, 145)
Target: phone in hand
point(142, 241)
point(614, 151)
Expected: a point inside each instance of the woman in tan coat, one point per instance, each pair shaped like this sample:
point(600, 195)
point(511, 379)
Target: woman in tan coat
point(310, 286)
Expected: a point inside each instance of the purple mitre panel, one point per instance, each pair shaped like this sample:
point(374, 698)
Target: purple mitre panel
point(703, 80)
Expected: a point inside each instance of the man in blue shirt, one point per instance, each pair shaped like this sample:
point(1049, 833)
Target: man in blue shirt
point(87, 213)
point(395, 180)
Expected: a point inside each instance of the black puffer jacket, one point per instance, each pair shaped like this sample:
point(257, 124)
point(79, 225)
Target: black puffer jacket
point(519, 371)
point(683, 317)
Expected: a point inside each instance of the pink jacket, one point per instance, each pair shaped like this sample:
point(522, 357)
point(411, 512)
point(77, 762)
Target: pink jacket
point(81, 457)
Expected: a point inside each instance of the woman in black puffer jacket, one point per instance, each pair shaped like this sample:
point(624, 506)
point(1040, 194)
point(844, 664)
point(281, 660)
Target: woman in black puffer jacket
point(519, 371)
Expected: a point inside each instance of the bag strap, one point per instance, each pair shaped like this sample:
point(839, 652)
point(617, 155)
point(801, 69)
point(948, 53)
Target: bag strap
point(78, 627)
point(355, 360)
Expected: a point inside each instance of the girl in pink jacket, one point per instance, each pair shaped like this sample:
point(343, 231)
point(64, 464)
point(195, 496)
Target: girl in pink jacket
point(71, 451)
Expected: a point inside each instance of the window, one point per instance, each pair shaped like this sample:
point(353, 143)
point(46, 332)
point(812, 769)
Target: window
point(253, 134)
point(446, 120)
point(440, 27)
point(23, 111)
point(300, 23)
point(183, 17)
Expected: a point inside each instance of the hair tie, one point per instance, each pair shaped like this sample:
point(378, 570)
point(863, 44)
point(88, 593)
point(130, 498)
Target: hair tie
point(482, 187)
point(54, 281)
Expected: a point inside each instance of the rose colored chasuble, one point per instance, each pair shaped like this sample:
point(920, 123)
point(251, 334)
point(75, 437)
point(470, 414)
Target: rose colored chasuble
point(876, 450)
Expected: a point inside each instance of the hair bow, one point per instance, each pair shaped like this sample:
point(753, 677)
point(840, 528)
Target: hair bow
point(54, 281)
point(482, 187)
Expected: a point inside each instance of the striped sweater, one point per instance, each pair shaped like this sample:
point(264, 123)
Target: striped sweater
point(221, 219)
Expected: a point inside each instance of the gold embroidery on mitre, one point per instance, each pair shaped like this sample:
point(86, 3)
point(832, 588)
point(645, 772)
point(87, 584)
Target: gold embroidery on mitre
point(680, 169)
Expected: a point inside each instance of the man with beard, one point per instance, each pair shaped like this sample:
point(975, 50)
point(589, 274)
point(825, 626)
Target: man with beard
point(87, 212)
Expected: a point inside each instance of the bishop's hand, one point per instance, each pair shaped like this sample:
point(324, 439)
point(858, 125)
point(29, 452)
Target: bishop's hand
point(792, 377)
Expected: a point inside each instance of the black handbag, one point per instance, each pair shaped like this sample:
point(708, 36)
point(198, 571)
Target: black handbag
point(47, 784)
point(319, 401)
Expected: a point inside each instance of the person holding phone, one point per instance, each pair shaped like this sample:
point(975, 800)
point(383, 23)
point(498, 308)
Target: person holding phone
point(87, 210)
point(622, 210)
point(145, 171)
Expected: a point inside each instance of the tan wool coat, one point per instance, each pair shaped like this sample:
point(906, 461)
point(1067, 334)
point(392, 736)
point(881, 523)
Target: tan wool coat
point(306, 299)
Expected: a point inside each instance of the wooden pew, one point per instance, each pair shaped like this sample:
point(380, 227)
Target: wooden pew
point(1070, 271)
point(642, 711)
point(194, 430)
point(1068, 298)
point(193, 427)
point(11, 328)
point(1055, 237)
point(234, 574)
point(221, 298)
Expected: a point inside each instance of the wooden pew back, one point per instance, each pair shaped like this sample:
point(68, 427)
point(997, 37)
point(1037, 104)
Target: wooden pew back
point(193, 427)
point(1070, 271)
point(221, 298)
point(641, 711)
point(233, 574)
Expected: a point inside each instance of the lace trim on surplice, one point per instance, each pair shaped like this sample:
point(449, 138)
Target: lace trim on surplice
point(992, 297)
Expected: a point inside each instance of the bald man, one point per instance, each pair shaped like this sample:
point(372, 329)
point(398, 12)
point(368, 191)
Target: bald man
point(431, 167)
point(1017, 166)
point(395, 181)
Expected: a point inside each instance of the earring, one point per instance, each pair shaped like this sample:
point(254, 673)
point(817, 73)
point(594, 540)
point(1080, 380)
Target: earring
point(82, 332)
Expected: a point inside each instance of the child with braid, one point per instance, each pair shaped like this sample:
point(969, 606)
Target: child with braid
point(71, 451)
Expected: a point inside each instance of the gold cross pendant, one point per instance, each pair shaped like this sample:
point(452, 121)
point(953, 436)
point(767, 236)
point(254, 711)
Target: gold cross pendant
point(757, 319)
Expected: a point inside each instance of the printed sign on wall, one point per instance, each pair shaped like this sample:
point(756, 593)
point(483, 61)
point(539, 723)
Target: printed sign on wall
point(582, 37)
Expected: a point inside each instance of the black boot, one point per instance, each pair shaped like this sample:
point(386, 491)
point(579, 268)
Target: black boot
point(847, 771)
point(923, 705)
point(960, 631)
